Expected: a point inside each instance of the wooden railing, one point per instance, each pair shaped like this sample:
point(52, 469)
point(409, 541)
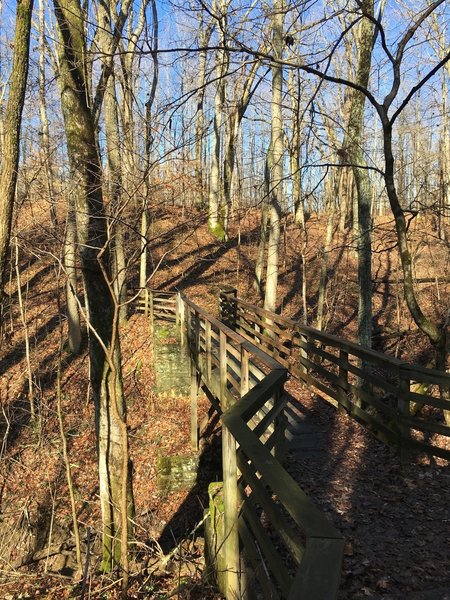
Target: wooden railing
point(402, 404)
point(291, 550)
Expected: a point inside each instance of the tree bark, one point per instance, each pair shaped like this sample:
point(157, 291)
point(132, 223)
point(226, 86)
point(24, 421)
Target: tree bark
point(216, 201)
point(148, 149)
point(11, 139)
point(277, 145)
point(204, 37)
point(104, 347)
point(295, 149)
point(362, 179)
point(113, 153)
point(73, 311)
point(44, 118)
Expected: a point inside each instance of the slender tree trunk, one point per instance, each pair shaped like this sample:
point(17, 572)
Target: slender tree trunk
point(113, 153)
point(104, 347)
point(259, 267)
point(73, 311)
point(243, 95)
point(216, 200)
point(2, 128)
point(295, 150)
point(277, 136)
point(330, 209)
point(44, 117)
point(204, 37)
point(23, 318)
point(361, 175)
point(444, 205)
point(148, 149)
point(11, 140)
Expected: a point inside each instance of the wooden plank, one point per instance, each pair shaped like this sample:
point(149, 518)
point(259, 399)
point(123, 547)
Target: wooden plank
point(284, 333)
point(223, 361)
point(427, 400)
point(260, 495)
point(321, 556)
point(422, 375)
point(249, 405)
point(261, 351)
point(429, 426)
point(269, 418)
point(231, 513)
point(263, 339)
point(194, 407)
point(365, 375)
point(353, 409)
point(208, 347)
point(265, 359)
point(302, 510)
point(349, 367)
point(245, 374)
point(272, 562)
point(253, 552)
point(265, 313)
point(430, 449)
point(235, 382)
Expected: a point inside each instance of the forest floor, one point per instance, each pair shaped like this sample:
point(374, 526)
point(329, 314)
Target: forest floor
point(395, 517)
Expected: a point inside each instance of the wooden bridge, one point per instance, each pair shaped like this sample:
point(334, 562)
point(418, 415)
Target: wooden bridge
point(242, 362)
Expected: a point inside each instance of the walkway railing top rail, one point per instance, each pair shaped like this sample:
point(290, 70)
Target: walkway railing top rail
point(403, 404)
point(291, 550)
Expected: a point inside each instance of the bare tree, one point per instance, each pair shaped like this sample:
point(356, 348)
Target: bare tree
point(354, 153)
point(104, 346)
point(11, 139)
point(216, 200)
point(277, 146)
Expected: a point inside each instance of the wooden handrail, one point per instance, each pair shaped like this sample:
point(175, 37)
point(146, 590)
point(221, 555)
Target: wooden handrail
point(351, 377)
point(247, 384)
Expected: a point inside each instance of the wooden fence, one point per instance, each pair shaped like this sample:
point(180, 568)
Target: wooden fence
point(402, 404)
point(291, 550)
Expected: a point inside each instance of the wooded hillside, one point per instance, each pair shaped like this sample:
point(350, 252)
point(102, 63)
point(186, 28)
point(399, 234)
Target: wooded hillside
point(299, 153)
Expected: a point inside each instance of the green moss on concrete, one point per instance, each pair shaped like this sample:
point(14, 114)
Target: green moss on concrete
point(218, 232)
point(176, 472)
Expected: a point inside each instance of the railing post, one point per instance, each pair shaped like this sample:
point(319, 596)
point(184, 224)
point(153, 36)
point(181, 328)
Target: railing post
point(245, 383)
point(280, 428)
point(182, 319)
point(343, 375)
point(194, 382)
point(303, 353)
point(177, 314)
point(228, 307)
point(150, 302)
point(231, 514)
point(146, 301)
point(404, 386)
point(230, 488)
point(208, 349)
point(222, 367)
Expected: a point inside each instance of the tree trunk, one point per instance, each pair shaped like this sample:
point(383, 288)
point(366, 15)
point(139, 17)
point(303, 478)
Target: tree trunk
point(148, 149)
point(13, 117)
point(104, 347)
point(330, 209)
point(73, 311)
point(113, 153)
point(216, 203)
point(361, 175)
point(204, 37)
point(44, 118)
point(444, 205)
point(277, 135)
point(295, 151)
